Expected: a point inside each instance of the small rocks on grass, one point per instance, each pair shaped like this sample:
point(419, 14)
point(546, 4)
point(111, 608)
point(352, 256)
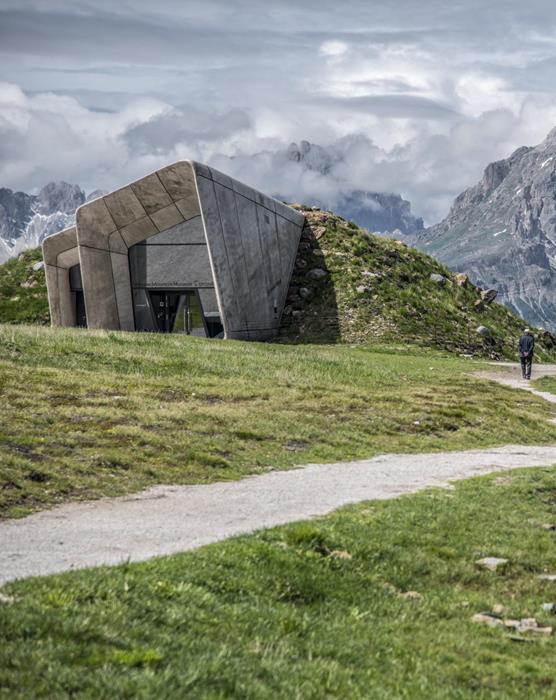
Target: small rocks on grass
point(485, 618)
point(305, 292)
point(6, 599)
point(547, 577)
point(439, 279)
point(362, 289)
point(38, 266)
point(548, 526)
point(340, 554)
point(491, 563)
point(484, 331)
point(368, 273)
point(529, 624)
point(498, 609)
point(411, 595)
point(317, 273)
point(524, 626)
point(295, 445)
point(549, 607)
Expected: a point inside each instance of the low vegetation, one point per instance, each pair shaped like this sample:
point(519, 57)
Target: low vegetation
point(23, 290)
point(90, 413)
point(373, 601)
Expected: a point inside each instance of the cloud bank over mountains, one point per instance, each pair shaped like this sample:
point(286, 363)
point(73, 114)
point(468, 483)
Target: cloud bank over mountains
point(408, 99)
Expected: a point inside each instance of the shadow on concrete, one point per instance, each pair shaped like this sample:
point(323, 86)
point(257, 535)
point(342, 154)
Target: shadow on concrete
point(311, 310)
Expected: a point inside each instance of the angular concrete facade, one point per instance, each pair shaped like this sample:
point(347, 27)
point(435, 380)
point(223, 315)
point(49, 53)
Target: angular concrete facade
point(186, 230)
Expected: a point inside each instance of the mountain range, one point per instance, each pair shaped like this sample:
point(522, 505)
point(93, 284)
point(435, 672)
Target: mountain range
point(502, 232)
point(26, 219)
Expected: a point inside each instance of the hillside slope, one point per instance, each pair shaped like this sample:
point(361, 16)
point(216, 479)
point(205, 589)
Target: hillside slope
point(502, 231)
point(348, 286)
point(354, 287)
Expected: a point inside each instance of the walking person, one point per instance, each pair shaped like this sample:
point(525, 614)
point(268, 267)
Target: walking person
point(526, 348)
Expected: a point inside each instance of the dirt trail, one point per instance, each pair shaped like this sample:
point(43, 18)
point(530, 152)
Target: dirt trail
point(169, 519)
point(509, 374)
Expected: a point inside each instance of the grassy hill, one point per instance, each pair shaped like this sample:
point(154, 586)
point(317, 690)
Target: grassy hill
point(91, 413)
point(348, 286)
point(377, 289)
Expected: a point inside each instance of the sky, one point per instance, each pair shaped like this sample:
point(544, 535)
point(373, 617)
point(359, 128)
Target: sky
point(405, 96)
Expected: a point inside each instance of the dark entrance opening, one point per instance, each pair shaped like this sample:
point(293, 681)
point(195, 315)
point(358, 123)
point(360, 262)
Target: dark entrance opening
point(76, 288)
point(181, 312)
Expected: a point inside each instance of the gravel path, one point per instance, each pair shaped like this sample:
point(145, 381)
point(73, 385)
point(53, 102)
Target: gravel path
point(169, 519)
point(509, 374)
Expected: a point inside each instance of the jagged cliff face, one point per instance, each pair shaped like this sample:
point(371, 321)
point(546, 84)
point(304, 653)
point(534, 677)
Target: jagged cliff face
point(25, 220)
point(502, 232)
point(375, 211)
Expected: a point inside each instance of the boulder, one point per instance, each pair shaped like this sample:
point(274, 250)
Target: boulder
point(462, 280)
point(489, 295)
point(484, 331)
point(548, 340)
point(479, 305)
point(361, 289)
point(440, 280)
point(317, 273)
point(38, 266)
point(305, 293)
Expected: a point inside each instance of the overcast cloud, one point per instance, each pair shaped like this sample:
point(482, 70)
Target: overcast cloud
point(405, 96)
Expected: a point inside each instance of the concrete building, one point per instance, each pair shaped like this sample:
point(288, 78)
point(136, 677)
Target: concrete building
point(185, 249)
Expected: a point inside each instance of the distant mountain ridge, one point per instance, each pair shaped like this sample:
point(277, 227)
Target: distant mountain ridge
point(26, 219)
point(502, 232)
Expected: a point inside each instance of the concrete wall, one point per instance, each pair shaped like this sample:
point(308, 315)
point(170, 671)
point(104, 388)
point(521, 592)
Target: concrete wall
point(200, 229)
point(253, 241)
point(60, 252)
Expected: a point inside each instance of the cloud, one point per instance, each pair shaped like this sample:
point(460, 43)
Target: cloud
point(333, 48)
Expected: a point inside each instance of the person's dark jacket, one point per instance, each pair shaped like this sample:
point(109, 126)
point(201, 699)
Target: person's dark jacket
point(526, 345)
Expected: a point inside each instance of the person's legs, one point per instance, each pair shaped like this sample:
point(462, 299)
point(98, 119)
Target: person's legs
point(523, 367)
point(529, 364)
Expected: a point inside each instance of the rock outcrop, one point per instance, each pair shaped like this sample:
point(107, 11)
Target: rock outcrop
point(502, 232)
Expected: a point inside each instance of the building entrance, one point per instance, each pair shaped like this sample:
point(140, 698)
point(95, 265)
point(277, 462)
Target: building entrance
point(177, 312)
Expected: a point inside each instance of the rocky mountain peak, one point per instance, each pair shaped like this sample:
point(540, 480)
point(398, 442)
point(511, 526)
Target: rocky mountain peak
point(60, 196)
point(503, 231)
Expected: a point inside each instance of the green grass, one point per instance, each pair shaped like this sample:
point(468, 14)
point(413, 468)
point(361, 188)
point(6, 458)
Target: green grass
point(23, 290)
point(545, 384)
point(280, 615)
point(85, 414)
